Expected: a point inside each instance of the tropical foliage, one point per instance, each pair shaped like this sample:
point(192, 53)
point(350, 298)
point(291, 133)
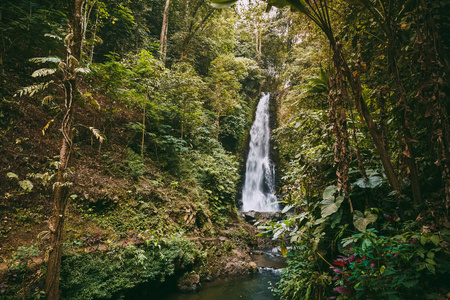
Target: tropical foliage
point(149, 105)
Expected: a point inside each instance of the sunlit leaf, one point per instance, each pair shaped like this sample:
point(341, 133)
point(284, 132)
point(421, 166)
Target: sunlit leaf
point(360, 220)
point(434, 239)
point(26, 185)
point(12, 175)
point(287, 208)
point(222, 4)
point(330, 206)
point(329, 192)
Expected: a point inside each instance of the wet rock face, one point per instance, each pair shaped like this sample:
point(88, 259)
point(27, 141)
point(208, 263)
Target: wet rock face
point(189, 283)
point(251, 216)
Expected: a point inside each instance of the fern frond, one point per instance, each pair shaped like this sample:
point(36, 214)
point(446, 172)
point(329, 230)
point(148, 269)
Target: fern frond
point(33, 89)
point(46, 126)
point(53, 36)
point(97, 134)
point(47, 99)
point(43, 72)
point(47, 59)
point(82, 70)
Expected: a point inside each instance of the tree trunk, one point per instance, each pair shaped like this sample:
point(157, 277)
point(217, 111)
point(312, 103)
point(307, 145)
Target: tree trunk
point(405, 117)
point(143, 132)
point(364, 112)
point(164, 28)
point(434, 63)
point(56, 223)
point(218, 124)
point(337, 99)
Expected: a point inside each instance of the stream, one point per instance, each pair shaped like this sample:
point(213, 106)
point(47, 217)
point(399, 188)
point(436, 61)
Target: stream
point(248, 287)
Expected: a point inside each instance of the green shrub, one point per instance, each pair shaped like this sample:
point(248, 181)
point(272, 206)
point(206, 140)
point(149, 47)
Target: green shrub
point(102, 275)
point(381, 267)
point(301, 280)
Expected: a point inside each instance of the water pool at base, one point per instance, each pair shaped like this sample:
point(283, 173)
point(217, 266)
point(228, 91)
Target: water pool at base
point(249, 287)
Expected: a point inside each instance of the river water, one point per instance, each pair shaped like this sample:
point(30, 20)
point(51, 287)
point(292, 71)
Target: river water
point(248, 287)
point(258, 193)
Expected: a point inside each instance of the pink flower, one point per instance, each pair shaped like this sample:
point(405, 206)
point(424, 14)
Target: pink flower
point(337, 270)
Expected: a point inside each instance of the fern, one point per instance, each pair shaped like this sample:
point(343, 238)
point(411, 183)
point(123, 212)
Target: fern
point(53, 36)
point(97, 134)
point(43, 72)
point(33, 89)
point(82, 70)
point(46, 126)
point(47, 99)
point(41, 60)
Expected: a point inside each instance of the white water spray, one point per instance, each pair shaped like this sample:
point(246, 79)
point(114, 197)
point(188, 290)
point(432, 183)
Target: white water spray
point(259, 188)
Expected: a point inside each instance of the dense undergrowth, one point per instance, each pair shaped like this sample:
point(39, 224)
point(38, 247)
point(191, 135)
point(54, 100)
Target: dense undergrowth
point(155, 158)
point(110, 272)
point(159, 133)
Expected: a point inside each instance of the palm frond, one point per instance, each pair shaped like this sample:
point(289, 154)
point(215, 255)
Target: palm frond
point(97, 134)
point(53, 36)
point(43, 72)
point(47, 59)
point(82, 70)
point(33, 89)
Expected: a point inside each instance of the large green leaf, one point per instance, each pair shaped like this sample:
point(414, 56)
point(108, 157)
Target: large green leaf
point(372, 182)
point(361, 220)
point(329, 192)
point(26, 185)
point(331, 205)
point(222, 3)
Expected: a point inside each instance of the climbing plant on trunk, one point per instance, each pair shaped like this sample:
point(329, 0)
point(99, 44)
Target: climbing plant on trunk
point(73, 43)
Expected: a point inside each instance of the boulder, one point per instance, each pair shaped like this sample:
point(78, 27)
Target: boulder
point(188, 283)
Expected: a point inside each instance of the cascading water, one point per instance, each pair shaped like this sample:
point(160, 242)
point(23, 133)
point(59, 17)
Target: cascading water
point(258, 193)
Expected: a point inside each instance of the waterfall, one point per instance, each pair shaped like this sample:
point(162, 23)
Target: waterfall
point(258, 193)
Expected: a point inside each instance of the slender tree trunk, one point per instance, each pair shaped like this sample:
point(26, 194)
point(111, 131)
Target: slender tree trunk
point(218, 124)
point(164, 28)
point(143, 133)
point(435, 66)
point(94, 36)
point(86, 16)
point(364, 112)
point(402, 103)
point(56, 223)
point(337, 114)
